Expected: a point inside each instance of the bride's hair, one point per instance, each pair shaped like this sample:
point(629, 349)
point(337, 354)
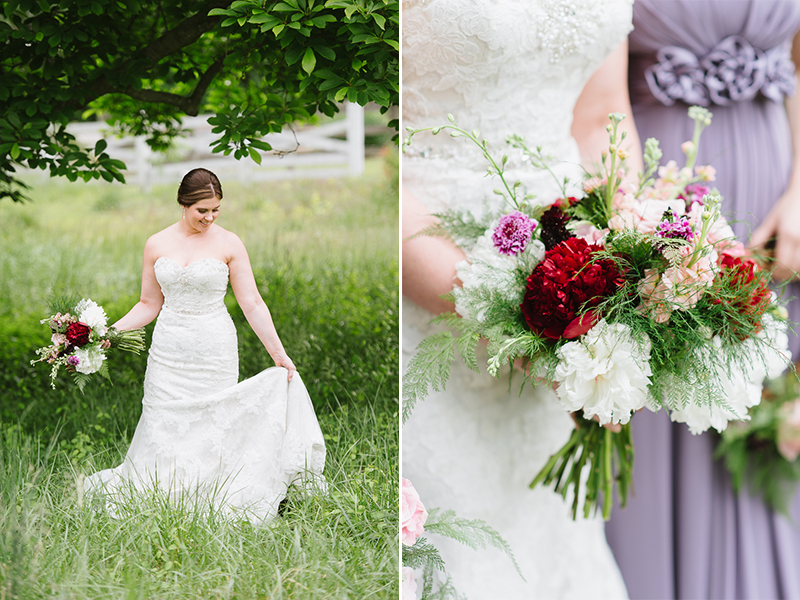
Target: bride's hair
point(197, 185)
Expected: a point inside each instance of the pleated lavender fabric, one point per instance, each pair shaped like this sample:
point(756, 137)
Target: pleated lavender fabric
point(686, 534)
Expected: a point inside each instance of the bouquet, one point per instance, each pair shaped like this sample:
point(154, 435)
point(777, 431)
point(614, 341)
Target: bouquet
point(80, 340)
point(624, 295)
point(764, 450)
point(419, 553)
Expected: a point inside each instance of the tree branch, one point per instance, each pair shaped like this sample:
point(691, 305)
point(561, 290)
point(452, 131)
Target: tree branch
point(188, 104)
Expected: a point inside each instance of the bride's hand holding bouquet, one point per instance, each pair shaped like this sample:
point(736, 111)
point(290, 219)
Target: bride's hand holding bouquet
point(627, 295)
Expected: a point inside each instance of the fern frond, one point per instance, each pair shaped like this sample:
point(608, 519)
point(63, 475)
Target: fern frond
point(428, 370)
point(471, 532)
point(422, 554)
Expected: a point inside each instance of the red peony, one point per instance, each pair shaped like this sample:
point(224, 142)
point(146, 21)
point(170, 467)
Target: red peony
point(747, 289)
point(567, 282)
point(78, 334)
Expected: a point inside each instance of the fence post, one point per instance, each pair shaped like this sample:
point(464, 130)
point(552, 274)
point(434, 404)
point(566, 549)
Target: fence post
point(355, 138)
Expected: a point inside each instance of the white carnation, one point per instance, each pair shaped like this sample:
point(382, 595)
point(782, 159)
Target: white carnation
point(605, 373)
point(91, 359)
point(93, 315)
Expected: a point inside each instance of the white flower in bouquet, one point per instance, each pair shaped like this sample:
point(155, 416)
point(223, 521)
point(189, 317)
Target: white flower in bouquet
point(93, 315)
point(605, 373)
point(486, 267)
point(90, 359)
point(408, 585)
point(742, 388)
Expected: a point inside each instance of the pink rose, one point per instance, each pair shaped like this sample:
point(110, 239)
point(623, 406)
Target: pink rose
point(412, 513)
point(409, 584)
point(789, 430)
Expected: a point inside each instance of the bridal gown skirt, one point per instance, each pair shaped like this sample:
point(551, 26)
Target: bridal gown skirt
point(203, 438)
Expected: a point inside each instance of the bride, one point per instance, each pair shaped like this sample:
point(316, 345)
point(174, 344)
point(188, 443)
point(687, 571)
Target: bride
point(501, 67)
point(202, 436)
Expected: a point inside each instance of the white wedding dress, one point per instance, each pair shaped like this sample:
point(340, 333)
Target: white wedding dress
point(502, 67)
point(203, 438)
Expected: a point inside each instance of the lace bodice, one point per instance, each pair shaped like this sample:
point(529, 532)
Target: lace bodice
point(503, 66)
point(196, 289)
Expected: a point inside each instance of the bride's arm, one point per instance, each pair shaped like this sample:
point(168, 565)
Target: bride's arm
point(429, 263)
point(151, 298)
point(252, 304)
point(606, 92)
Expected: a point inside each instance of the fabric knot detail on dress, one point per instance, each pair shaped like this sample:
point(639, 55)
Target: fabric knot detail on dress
point(733, 71)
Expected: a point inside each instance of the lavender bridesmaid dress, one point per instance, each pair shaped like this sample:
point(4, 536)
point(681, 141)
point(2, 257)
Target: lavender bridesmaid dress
point(686, 534)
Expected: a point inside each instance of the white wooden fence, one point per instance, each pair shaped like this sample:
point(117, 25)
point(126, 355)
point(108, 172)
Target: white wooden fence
point(311, 152)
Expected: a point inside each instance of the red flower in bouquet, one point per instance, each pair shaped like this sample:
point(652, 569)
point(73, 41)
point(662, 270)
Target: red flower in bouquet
point(568, 281)
point(78, 334)
point(750, 294)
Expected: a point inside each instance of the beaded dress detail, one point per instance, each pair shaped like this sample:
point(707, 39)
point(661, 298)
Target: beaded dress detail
point(502, 67)
point(203, 436)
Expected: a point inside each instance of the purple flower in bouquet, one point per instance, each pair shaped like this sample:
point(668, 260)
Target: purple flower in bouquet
point(513, 233)
point(73, 361)
point(675, 227)
point(694, 192)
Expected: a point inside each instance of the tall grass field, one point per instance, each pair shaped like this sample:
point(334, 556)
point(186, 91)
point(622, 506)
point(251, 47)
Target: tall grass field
point(325, 257)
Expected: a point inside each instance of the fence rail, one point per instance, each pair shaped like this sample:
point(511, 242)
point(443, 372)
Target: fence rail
point(309, 152)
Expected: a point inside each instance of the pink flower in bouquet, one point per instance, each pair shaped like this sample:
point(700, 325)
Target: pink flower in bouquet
point(513, 233)
point(645, 215)
point(694, 193)
point(412, 513)
point(677, 288)
point(58, 339)
point(73, 361)
point(706, 172)
point(78, 334)
point(409, 585)
point(588, 232)
point(788, 440)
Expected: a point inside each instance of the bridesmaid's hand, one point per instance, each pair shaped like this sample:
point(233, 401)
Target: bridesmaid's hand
point(781, 224)
point(285, 362)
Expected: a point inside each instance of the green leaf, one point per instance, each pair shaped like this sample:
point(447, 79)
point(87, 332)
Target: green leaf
point(15, 151)
point(100, 146)
point(309, 60)
point(255, 155)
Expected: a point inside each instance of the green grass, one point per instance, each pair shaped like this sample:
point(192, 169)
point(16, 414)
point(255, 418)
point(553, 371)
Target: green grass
point(325, 258)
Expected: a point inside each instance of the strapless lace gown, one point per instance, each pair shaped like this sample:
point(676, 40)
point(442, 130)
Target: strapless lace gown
point(502, 67)
point(203, 437)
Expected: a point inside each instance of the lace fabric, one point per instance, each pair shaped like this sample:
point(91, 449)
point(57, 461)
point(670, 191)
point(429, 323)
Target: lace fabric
point(234, 446)
point(501, 67)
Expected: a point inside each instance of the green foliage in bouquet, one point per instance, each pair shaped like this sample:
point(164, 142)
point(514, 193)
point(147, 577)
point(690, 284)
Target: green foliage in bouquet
point(763, 451)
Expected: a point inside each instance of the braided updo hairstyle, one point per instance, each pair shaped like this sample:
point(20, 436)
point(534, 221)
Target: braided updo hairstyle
point(199, 184)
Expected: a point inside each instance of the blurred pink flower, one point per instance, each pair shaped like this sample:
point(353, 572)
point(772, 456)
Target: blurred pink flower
point(789, 430)
point(408, 585)
point(706, 172)
point(412, 513)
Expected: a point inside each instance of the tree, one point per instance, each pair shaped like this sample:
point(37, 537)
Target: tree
point(142, 64)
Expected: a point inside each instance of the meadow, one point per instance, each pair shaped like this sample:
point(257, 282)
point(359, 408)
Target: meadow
point(325, 256)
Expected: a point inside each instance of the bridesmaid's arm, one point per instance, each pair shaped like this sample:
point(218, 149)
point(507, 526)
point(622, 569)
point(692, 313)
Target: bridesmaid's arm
point(151, 298)
point(252, 304)
point(429, 263)
point(606, 92)
point(783, 221)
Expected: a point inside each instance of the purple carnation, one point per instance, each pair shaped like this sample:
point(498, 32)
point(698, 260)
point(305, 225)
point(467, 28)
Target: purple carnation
point(73, 360)
point(694, 192)
point(676, 227)
point(513, 233)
